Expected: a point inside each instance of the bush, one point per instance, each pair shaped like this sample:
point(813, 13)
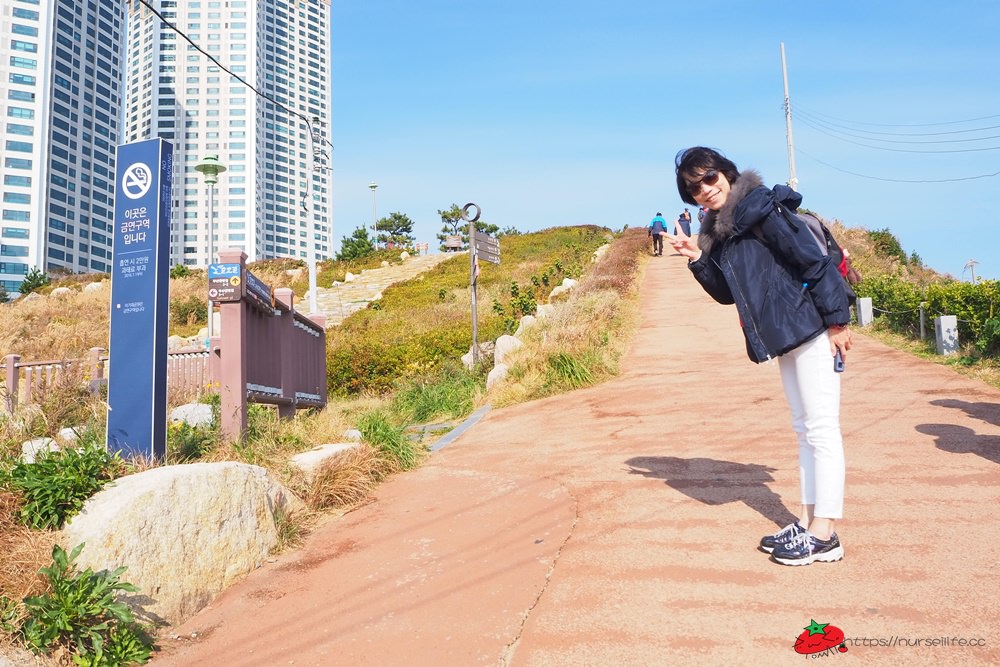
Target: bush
point(81, 615)
point(388, 439)
point(33, 279)
point(450, 395)
point(188, 311)
point(57, 485)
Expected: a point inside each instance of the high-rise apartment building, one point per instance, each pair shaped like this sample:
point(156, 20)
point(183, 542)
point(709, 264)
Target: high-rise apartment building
point(268, 132)
point(61, 65)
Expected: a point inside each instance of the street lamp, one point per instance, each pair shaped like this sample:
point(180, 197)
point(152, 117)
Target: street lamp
point(374, 185)
point(210, 168)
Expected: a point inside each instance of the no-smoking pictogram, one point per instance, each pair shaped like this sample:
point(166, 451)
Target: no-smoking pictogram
point(136, 180)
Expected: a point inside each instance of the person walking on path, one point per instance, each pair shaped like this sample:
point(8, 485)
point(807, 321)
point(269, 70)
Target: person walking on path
point(684, 222)
point(792, 306)
point(657, 228)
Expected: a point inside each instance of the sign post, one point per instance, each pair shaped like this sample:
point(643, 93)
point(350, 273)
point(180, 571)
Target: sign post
point(137, 379)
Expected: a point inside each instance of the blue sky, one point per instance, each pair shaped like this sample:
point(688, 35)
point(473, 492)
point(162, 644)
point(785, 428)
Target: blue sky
point(552, 112)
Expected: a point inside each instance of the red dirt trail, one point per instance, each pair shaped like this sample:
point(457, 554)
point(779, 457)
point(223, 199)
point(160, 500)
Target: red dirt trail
point(617, 526)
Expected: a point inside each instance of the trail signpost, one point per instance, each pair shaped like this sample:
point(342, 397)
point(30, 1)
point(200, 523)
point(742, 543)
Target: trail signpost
point(137, 378)
point(489, 248)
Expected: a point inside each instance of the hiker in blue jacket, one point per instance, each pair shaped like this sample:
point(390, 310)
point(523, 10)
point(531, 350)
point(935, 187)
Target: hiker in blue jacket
point(657, 228)
point(793, 306)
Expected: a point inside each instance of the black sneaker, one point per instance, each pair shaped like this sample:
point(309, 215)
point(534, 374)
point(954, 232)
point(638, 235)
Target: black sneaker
point(806, 548)
point(783, 536)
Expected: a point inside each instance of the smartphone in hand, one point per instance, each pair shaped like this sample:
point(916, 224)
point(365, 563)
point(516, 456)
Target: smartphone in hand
point(838, 362)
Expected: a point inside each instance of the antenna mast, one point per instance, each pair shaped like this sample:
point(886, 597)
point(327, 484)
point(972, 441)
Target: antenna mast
point(793, 181)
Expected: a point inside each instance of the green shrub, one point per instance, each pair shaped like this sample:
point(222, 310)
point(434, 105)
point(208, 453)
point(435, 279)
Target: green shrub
point(569, 371)
point(179, 271)
point(80, 614)
point(388, 439)
point(449, 395)
point(186, 442)
point(56, 486)
point(192, 310)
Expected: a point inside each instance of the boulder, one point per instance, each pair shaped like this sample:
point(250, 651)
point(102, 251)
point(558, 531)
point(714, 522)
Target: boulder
point(192, 414)
point(349, 277)
point(566, 286)
point(311, 461)
point(61, 292)
point(69, 435)
point(185, 533)
point(404, 255)
point(527, 322)
point(543, 310)
point(93, 287)
point(496, 375)
point(32, 448)
point(505, 346)
point(352, 434)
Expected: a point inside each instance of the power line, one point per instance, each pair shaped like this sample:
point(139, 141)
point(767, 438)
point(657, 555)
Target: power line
point(896, 180)
point(822, 130)
point(949, 122)
point(164, 21)
point(818, 119)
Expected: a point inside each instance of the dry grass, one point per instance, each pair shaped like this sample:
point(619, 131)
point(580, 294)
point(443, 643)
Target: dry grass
point(348, 480)
point(47, 328)
point(25, 551)
point(584, 337)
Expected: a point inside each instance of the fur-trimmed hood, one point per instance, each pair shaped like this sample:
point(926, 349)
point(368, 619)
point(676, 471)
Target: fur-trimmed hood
point(734, 218)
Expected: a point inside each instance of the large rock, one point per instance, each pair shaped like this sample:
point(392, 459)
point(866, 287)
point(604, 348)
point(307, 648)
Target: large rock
point(496, 376)
point(185, 532)
point(311, 461)
point(193, 414)
point(506, 346)
point(32, 449)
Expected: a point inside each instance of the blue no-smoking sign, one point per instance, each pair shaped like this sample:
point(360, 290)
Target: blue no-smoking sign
point(137, 382)
point(136, 180)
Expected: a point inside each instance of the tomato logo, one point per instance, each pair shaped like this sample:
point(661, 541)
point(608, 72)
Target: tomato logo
point(818, 637)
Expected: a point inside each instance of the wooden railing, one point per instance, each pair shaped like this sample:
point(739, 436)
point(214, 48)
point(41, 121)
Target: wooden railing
point(24, 381)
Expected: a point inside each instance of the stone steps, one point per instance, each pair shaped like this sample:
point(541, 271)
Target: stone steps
point(344, 299)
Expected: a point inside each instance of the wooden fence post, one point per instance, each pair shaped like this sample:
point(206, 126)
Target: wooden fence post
point(12, 380)
point(233, 362)
point(285, 298)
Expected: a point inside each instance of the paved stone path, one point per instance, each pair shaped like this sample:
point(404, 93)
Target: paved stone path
point(344, 299)
point(616, 526)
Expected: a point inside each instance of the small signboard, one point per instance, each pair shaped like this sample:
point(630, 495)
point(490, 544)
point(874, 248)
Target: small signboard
point(488, 248)
point(259, 290)
point(224, 283)
point(453, 241)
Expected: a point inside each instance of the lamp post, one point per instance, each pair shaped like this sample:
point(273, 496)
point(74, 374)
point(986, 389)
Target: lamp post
point(210, 168)
point(374, 185)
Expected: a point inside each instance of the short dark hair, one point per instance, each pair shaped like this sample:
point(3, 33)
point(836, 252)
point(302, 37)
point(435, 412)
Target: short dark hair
point(658, 213)
point(691, 161)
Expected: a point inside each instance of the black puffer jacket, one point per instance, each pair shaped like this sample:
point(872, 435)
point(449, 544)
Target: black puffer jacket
point(785, 290)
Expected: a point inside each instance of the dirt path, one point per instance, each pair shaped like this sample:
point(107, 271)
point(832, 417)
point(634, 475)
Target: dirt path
point(617, 525)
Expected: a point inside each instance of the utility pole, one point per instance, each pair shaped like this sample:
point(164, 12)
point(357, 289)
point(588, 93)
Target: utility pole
point(793, 181)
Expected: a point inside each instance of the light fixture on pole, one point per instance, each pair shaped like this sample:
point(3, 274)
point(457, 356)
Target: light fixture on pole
point(374, 185)
point(210, 168)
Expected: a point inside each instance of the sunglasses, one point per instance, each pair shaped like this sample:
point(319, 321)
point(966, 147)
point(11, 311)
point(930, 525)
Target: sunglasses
point(709, 178)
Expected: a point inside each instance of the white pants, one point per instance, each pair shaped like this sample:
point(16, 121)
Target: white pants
point(812, 389)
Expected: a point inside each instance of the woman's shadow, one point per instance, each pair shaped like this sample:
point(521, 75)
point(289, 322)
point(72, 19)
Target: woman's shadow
point(717, 482)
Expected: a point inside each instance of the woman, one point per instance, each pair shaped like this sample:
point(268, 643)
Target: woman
point(792, 306)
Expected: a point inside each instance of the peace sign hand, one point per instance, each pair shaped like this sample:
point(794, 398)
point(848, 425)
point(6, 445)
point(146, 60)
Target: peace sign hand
point(684, 244)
